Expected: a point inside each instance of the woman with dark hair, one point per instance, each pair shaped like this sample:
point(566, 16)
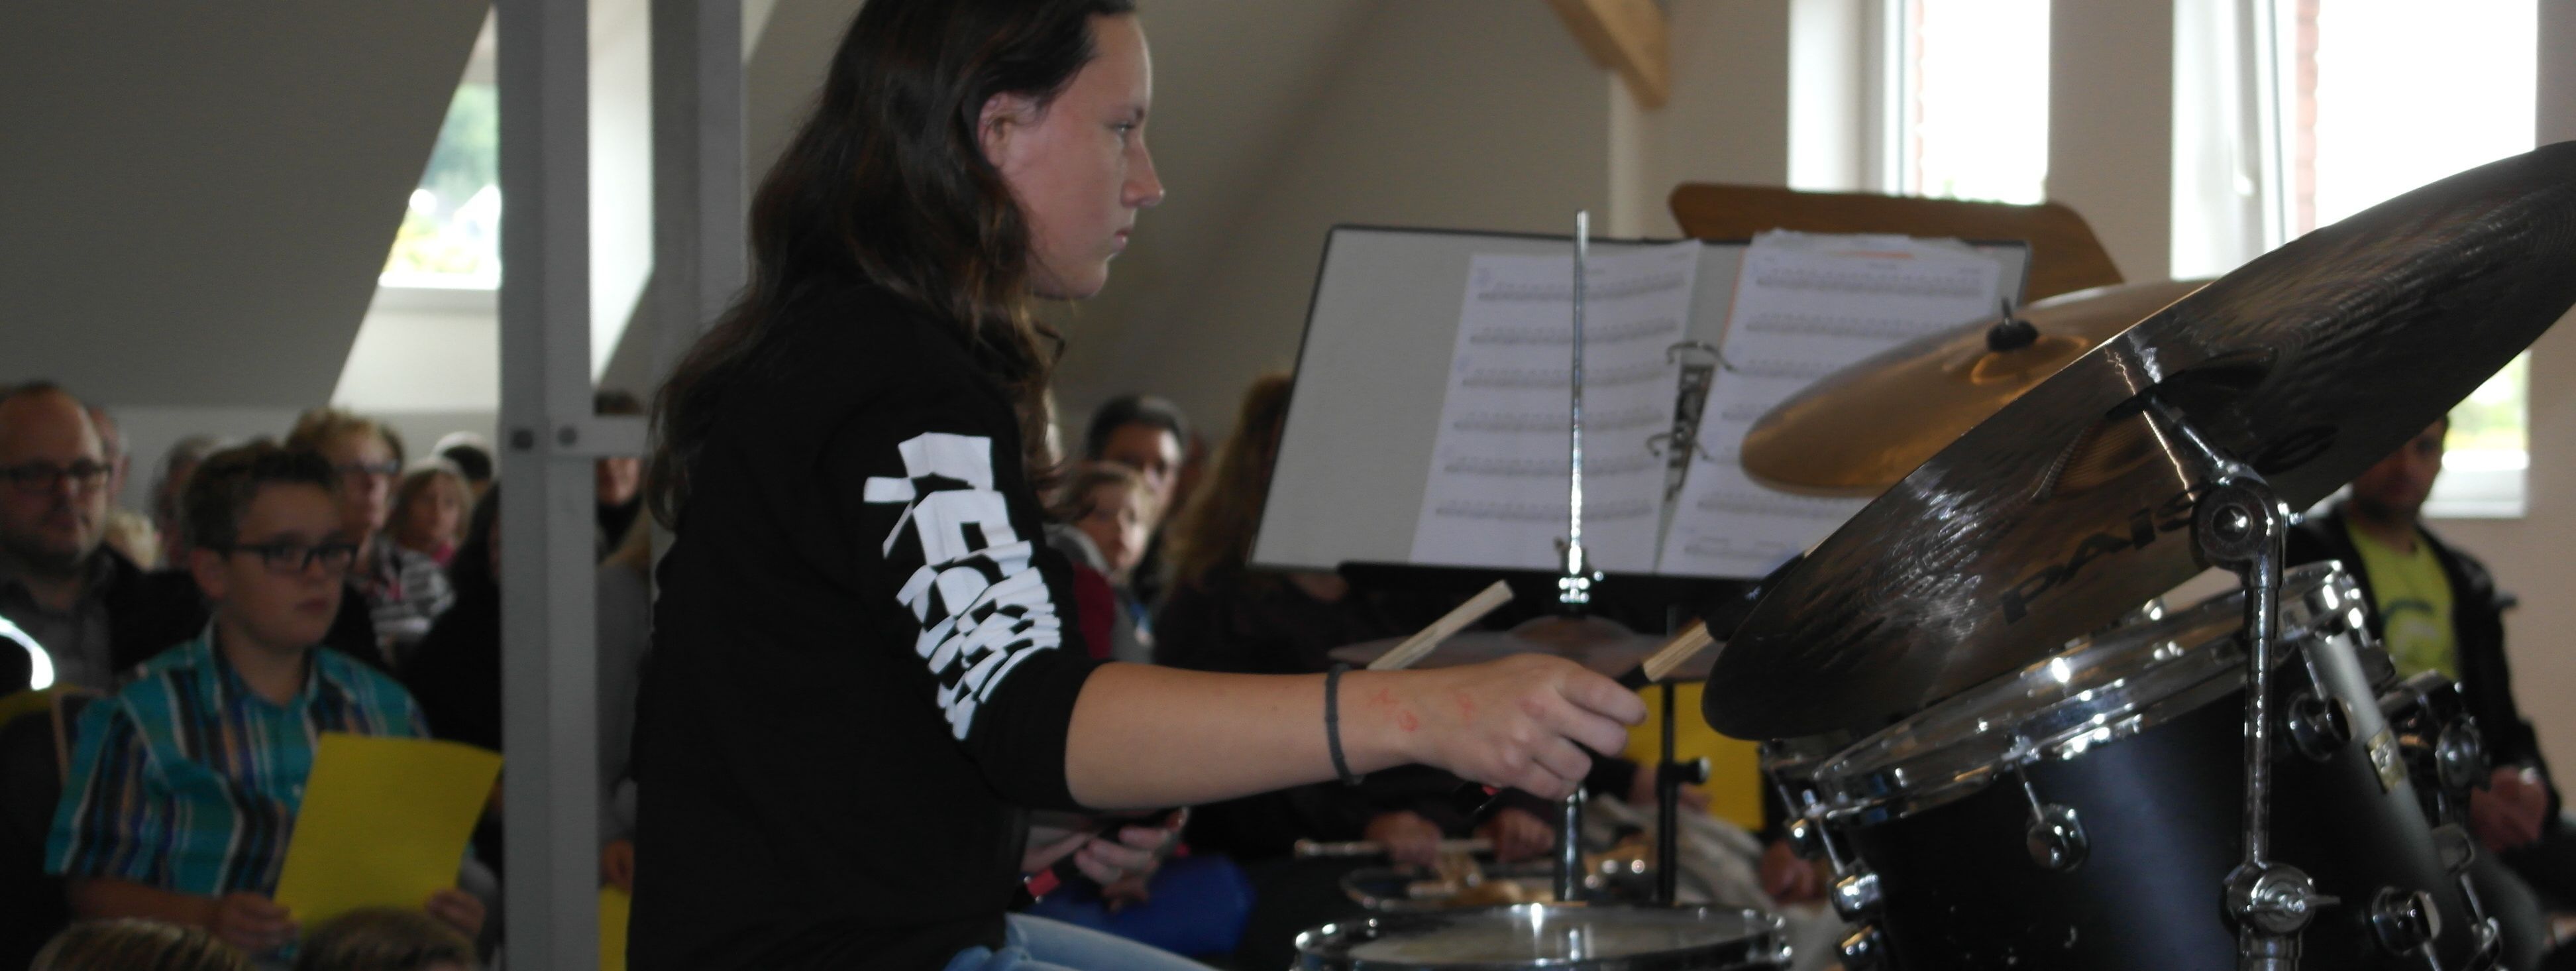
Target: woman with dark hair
point(861, 683)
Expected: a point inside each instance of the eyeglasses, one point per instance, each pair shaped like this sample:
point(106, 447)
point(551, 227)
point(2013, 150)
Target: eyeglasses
point(360, 470)
point(46, 476)
point(289, 557)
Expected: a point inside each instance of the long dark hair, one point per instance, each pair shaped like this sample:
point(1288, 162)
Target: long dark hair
point(887, 183)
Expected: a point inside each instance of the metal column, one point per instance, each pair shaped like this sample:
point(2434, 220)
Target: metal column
point(549, 435)
point(548, 440)
point(698, 231)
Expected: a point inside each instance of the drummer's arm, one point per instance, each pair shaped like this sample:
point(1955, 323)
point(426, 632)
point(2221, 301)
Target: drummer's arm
point(1143, 736)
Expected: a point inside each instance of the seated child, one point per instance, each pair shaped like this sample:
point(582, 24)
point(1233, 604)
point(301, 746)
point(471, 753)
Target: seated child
point(184, 785)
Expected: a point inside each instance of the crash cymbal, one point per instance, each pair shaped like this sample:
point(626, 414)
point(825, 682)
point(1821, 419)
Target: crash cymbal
point(1860, 429)
point(1598, 644)
point(2069, 506)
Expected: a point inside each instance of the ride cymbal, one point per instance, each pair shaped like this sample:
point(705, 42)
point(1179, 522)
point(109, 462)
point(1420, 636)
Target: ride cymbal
point(2071, 506)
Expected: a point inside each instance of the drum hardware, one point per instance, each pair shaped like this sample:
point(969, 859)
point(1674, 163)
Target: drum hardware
point(1555, 936)
point(1856, 896)
point(2239, 525)
point(2405, 923)
point(2319, 727)
point(2055, 836)
point(2455, 846)
point(1864, 948)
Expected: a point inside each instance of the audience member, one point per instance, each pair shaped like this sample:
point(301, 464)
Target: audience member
point(131, 533)
point(625, 639)
point(429, 512)
point(167, 482)
point(472, 457)
point(134, 944)
point(403, 591)
point(455, 673)
point(183, 784)
point(91, 609)
point(1106, 513)
point(385, 939)
point(619, 480)
point(1144, 433)
point(2435, 608)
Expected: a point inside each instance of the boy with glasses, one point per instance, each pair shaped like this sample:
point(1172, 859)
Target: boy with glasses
point(184, 785)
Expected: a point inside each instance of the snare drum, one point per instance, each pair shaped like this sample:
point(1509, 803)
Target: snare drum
point(2084, 812)
point(1575, 937)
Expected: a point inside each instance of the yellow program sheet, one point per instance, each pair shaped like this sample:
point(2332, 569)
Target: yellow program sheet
point(384, 823)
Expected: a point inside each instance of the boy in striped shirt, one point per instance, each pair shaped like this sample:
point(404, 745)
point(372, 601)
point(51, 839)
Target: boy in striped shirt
point(184, 785)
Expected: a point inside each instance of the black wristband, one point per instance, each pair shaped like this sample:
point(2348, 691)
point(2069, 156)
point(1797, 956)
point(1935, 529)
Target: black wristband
point(1333, 722)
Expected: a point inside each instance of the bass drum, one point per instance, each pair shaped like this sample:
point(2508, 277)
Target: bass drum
point(1575, 937)
point(2084, 812)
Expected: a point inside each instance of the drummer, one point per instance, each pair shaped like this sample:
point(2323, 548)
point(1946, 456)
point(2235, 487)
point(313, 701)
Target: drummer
point(861, 678)
point(2435, 608)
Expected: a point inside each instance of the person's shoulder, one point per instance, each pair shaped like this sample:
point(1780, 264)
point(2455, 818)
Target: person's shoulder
point(365, 684)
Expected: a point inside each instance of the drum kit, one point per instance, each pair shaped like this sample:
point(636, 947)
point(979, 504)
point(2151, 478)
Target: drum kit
point(2001, 764)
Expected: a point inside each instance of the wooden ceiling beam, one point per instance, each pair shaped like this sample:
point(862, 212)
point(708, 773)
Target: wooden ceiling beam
point(1626, 36)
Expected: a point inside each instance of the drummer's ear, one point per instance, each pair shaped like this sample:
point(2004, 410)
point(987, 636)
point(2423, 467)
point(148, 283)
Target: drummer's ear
point(1002, 115)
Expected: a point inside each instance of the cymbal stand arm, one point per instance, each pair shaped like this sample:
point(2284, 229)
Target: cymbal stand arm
point(2241, 525)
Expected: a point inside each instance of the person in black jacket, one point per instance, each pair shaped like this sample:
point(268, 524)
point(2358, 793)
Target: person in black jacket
point(2436, 608)
point(863, 680)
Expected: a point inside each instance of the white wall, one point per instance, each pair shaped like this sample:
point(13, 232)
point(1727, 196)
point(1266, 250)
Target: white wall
point(1457, 113)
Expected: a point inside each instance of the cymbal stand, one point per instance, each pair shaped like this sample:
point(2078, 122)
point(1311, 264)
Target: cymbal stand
point(2239, 523)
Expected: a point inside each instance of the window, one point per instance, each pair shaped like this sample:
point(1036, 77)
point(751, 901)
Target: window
point(2382, 96)
point(451, 233)
point(1972, 119)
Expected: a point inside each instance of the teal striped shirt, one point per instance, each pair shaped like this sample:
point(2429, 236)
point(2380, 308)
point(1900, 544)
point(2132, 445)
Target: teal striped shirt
point(189, 781)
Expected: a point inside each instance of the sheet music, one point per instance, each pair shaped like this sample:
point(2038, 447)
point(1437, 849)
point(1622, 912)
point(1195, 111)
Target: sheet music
point(1806, 306)
point(1497, 487)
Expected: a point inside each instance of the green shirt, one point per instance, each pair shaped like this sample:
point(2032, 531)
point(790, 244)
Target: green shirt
point(2414, 603)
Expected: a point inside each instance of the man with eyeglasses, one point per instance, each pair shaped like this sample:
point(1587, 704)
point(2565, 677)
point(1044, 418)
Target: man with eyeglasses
point(92, 610)
point(184, 785)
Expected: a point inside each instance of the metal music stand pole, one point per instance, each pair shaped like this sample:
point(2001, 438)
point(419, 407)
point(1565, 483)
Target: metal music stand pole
point(1668, 809)
point(1574, 588)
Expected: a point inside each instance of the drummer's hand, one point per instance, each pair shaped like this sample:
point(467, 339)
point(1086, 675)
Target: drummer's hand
point(1160, 838)
point(1512, 723)
point(2508, 813)
point(1788, 879)
point(1409, 838)
point(1048, 844)
point(1641, 793)
point(1517, 835)
point(1134, 852)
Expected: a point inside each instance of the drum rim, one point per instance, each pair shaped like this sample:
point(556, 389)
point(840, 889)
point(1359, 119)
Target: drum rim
point(1871, 782)
point(1767, 939)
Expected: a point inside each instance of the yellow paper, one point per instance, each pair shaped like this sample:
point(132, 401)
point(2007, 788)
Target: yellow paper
point(384, 824)
point(613, 907)
point(1735, 766)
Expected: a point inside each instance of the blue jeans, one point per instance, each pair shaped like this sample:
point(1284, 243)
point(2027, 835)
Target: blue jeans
point(1038, 944)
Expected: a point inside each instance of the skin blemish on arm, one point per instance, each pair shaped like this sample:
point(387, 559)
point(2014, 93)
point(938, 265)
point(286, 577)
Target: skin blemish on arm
point(1404, 721)
point(1466, 705)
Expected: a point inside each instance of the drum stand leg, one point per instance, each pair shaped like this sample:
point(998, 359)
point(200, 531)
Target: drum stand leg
point(2239, 524)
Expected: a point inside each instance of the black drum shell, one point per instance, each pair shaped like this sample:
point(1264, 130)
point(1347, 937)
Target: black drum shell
point(2163, 811)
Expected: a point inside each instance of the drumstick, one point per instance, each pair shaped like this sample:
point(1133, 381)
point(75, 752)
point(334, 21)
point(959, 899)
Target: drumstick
point(1421, 643)
point(1671, 656)
point(1310, 849)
